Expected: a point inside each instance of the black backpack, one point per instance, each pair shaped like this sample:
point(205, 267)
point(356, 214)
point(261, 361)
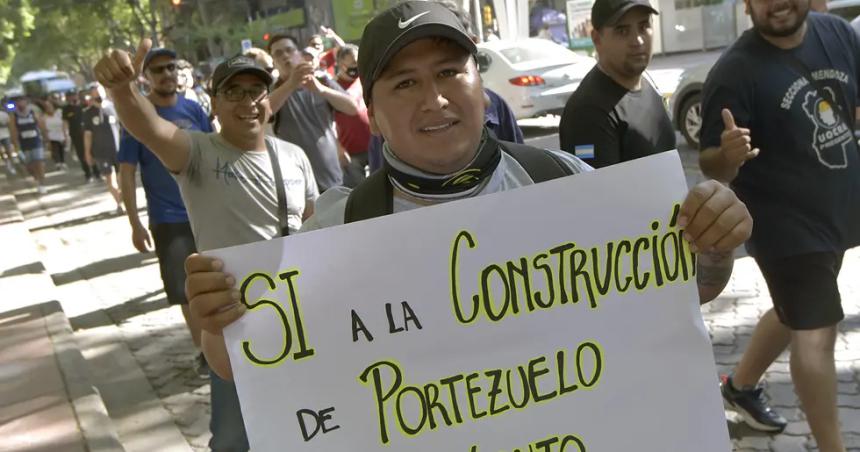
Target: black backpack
point(373, 197)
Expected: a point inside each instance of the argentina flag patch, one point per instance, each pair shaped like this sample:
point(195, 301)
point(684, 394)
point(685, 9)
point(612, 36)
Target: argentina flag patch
point(585, 151)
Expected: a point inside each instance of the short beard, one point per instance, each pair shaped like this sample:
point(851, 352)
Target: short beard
point(766, 30)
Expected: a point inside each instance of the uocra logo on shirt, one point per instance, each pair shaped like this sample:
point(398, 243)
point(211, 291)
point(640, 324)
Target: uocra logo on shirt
point(831, 136)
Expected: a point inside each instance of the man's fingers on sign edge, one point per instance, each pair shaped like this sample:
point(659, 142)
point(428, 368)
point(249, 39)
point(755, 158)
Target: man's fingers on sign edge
point(197, 262)
point(693, 201)
point(708, 213)
point(216, 323)
point(206, 282)
point(739, 234)
point(722, 226)
point(210, 304)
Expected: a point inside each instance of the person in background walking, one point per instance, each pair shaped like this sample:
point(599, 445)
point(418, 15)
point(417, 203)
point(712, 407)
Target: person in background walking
point(28, 132)
point(56, 134)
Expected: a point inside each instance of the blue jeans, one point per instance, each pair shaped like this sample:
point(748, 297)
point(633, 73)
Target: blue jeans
point(226, 424)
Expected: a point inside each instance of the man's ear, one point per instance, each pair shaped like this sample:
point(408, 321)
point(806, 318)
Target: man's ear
point(374, 129)
point(595, 37)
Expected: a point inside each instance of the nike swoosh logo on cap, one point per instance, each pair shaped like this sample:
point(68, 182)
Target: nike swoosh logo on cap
point(401, 24)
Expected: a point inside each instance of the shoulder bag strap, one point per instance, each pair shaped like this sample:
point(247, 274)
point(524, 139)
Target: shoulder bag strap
point(283, 226)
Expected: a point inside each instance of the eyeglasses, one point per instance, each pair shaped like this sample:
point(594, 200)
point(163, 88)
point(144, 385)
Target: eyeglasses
point(96, 99)
point(237, 94)
point(170, 67)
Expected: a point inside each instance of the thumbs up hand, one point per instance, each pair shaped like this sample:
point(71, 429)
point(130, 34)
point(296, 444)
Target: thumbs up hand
point(735, 142)
point(118, 69)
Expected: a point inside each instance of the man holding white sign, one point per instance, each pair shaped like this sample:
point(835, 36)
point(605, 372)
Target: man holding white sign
point(424, 97)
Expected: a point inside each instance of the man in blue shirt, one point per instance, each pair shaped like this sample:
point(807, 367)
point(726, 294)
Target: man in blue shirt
point(168, 220)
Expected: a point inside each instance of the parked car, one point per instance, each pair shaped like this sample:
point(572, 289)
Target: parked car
point(685, 105)
point(534, 76)
point(846, 9)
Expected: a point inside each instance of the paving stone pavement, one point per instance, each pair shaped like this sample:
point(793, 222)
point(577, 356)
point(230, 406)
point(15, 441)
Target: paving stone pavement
point(87, 249)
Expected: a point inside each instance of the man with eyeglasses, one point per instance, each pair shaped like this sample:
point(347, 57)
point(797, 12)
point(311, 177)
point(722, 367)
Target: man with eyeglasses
point(168, 219)
point(305, 107)
point(227, 179)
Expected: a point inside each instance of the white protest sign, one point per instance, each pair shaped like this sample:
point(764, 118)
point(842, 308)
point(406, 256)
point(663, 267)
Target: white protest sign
point(561, 316)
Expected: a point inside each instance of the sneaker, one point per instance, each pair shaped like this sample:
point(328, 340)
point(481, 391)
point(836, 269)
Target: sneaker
point(202, 367)
point(42, 189)
point(752, 407)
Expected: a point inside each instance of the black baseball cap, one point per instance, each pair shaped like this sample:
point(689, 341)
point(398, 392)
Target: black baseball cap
point(607, 12)
point(155, 53)
point(395, 28)
point(239, 64)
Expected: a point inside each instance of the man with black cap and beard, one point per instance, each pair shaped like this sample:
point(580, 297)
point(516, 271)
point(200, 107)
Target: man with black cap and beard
point(238, 185)
point(616, 114)
point(424, 96)
point(168, 219)
point(778, 119)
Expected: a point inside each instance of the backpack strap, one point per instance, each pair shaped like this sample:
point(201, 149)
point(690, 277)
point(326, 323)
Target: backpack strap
point(374, 197)
point(541, 165)
point(370, 199)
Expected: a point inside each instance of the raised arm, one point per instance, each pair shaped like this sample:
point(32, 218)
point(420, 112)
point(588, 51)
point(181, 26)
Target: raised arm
point(334, 95)
point(117, 72)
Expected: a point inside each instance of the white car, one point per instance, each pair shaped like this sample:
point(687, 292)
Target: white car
point(534, 76)
point(685, 105)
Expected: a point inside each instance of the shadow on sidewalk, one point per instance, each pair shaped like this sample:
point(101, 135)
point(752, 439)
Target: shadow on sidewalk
point(118, 314)
point(33, 268)
point(83, 220)
point(102, 268)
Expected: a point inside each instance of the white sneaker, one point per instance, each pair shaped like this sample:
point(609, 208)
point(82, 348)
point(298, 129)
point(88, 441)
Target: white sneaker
point(11, 168)
point(42, 189)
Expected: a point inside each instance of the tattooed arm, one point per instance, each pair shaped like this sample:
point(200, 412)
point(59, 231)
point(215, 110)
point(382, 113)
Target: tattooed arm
point(713, 271)
point(716, 222)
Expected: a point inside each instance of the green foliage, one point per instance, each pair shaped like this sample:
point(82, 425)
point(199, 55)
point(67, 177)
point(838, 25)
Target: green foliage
point(70, 35)
point(16, 22)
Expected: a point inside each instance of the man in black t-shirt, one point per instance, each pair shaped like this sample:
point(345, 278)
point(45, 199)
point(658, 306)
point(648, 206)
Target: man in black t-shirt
point(778, 115)
point(615, 115)
point(73, 116)
point(101, 141)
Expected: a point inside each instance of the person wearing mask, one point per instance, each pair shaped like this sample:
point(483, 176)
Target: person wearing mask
point(304, 107)
point(353, 131)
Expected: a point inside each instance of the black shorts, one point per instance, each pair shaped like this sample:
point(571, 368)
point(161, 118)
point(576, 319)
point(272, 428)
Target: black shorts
point(173, 243)
point(804, 290)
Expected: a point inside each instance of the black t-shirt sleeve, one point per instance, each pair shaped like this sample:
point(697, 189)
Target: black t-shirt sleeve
point(87, 121)
point(590, 134)
point(725, 87)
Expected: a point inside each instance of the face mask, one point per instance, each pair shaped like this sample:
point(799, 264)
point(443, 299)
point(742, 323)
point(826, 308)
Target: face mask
point(352, 72)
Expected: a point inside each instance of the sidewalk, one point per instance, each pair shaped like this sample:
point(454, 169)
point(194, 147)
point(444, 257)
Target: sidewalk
point(142, 358)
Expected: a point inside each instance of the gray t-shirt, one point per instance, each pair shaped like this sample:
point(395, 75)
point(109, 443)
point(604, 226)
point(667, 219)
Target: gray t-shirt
point(230, 194)
point(329, 209)
point(307, 120)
